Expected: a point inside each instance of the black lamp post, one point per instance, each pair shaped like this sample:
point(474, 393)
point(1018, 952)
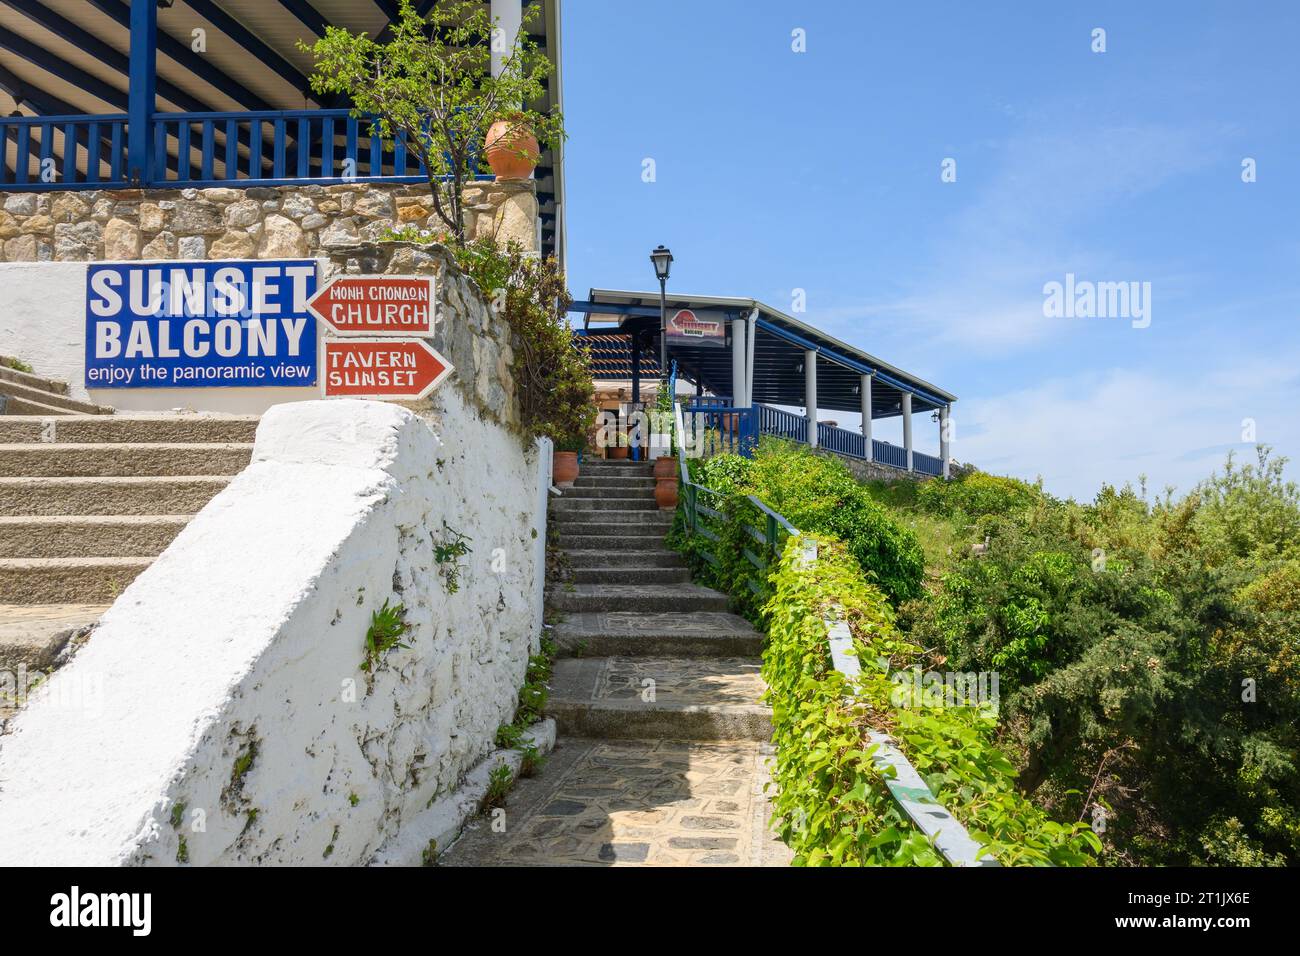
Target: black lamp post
point(663, 262)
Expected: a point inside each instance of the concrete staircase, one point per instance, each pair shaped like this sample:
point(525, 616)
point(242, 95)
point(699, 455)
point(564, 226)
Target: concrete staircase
point(662, 739)
point(88, 501)
point(22, 393)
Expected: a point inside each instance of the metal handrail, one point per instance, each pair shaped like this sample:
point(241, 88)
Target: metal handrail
point(902, 780)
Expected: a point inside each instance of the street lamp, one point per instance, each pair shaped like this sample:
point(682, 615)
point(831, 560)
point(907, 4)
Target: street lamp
point(663, 263)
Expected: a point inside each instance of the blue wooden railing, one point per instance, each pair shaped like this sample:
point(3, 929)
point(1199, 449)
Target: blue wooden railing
point(718, 427)
point(792, 427)
point(782, 424)
point(281, 147)
point(92, 151)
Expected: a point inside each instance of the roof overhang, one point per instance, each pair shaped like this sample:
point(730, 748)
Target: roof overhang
point(780, 350)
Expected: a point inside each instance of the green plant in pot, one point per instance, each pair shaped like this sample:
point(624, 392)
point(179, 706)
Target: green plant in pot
point(619, 450)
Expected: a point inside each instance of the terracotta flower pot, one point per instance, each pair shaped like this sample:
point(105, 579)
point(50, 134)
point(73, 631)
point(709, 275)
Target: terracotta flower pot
point(564, 468)
point(665, 466)
point(511, 150)
point(666, 493)
point(617, 452)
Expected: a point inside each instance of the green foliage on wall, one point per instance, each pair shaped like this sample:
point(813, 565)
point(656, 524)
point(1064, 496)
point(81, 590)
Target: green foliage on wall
point(831, 803)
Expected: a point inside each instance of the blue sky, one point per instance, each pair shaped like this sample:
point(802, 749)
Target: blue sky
point(778, 170)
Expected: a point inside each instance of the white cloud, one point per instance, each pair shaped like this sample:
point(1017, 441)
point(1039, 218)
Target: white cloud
point(1080, 432)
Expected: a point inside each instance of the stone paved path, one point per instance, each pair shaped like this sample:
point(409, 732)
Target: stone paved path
point(661, 759)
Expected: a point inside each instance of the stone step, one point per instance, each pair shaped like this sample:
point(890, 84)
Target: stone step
point(84, 536)
point(24, 409)
point(8, 374)
point(103, 429)
point(67, 580)
point(578, 505)
point(79, 460)
point(607, 494)
point(635, 597)
point(33, 635)
point(41, 396)
point(661, 634)
point(637, 482)
point(638, 698)
point(604, 522)
point(629, 558)
point(630, 575)
point(597, 536)
point(108, 496)
point(597, 468)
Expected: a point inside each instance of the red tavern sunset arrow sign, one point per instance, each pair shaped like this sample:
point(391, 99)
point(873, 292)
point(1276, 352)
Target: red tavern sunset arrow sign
point(376, 305)
point(401, 369)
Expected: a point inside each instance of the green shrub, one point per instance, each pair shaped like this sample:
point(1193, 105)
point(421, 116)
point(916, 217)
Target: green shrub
point(818, 495)
point(976, 494)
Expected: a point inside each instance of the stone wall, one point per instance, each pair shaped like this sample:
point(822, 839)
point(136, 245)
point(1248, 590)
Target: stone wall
point(257, 222)
point(469, 333)
point(873, 470)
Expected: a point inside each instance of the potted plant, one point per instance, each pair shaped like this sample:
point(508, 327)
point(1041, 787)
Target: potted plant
point(510, 147)
point(564, 461)
point(619, 449)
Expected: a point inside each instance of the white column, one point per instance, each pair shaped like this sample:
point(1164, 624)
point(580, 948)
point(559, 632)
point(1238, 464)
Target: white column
point(507, 16)
point(751, 335)
point(810, 393)
point(907, 427)
point(739, 385)
point(943, 437)
point(865, 389)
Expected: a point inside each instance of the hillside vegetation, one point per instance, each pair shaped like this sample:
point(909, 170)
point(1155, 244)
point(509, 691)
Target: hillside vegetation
point(1146, 651)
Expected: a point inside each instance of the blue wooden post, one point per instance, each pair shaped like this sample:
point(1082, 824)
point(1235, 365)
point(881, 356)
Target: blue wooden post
point(636, 385)
point(140, 94)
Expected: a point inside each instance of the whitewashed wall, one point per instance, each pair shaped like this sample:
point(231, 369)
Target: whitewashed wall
point(247, 635)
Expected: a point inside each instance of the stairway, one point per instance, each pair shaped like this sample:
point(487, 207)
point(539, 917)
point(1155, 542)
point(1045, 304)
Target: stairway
point(22, 393)
point(662, 739)
point(87, 502)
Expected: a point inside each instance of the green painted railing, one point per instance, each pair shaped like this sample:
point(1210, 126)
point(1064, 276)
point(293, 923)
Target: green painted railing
point(902, 780)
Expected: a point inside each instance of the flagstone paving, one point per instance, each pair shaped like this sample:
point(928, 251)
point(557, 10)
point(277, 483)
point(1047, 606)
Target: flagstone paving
point(663, 747)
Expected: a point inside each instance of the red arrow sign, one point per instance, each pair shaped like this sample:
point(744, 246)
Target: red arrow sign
point(376, 305)
point(405, 369)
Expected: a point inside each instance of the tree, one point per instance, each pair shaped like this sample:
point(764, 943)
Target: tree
point(431, 83)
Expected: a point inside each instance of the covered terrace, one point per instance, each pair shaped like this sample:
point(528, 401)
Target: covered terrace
point(760, 359)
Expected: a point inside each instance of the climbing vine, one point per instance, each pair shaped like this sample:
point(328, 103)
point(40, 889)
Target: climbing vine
point(831, 806)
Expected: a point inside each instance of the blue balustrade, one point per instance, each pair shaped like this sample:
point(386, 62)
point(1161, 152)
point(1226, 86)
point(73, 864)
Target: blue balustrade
point(93, 150)
point(843, 441)
point(269, 148)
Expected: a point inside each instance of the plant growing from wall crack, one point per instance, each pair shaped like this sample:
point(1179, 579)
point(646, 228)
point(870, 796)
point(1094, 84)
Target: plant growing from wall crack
point(447, 554)
point(387, 625)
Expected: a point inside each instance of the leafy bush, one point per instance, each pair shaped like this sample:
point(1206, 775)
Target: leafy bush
point(818, 495)
point(1148, 661)
point(832, 806)
point(552, 369)
point(975, 494)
